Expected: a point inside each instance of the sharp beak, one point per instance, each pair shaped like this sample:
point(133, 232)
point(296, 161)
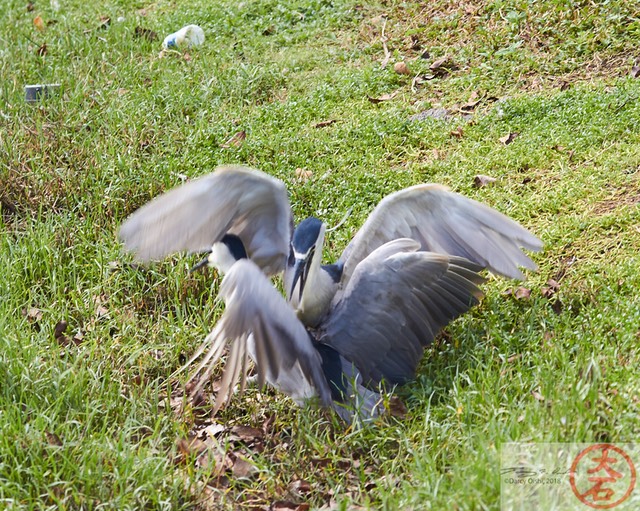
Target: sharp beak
point(301, 272)
point(201, 264)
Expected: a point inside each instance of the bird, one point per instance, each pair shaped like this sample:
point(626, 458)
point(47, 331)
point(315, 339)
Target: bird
point(346, 331)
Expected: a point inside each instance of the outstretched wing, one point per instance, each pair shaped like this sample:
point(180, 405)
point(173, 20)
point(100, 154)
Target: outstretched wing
point(447, 223)
point(191, 217)
point(393, 307)
point(257, 322)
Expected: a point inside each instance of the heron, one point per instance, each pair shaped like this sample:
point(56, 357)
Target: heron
point(348, 330)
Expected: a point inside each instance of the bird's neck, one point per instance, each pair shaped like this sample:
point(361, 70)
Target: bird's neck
point(319, 290)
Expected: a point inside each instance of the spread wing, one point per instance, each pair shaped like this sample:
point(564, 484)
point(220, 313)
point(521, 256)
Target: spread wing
point(447, 223)
point(257, 322)
point(393, 307)
point(191, 217)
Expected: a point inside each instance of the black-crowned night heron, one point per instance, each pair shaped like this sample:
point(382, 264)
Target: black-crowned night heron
point(346, 329)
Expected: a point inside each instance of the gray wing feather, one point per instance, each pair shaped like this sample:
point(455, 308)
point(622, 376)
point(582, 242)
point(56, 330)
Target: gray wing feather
point(254, 309)
point(191, 217)
point(394, 305)
point(446, 223)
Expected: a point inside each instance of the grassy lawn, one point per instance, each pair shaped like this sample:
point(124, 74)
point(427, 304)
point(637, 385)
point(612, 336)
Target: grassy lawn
point(88, 340)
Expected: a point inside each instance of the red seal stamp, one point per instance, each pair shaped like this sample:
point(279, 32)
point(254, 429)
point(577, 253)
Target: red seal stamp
point(602, 476)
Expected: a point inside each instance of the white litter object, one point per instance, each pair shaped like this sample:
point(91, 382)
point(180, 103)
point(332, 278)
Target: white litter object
point(191, 35)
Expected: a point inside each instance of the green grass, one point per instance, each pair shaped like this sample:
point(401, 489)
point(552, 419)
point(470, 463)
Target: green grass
point(87, 424)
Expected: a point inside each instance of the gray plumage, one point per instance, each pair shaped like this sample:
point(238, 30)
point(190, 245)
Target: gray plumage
point(350, 328)
point(192, 217)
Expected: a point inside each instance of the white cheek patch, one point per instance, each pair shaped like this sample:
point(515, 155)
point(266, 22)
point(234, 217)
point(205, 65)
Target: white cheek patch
point(221, 257)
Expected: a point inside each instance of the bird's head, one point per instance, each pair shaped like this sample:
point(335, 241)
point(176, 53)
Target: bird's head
point(306, 244)
point(223, 254)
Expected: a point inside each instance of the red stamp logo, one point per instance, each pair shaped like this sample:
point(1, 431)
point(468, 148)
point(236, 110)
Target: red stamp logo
point(602, 476)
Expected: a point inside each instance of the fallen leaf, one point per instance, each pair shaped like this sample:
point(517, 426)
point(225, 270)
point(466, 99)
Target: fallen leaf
point(522, 293)
point(42, 51)
point(235, 141)
point(396, 408)
point(53, 439)
point(189, 447)
point(247, 434)
point(38, 22)
point(78, 337)
point(303, 174)
point(550, 289)
point(32, 314)
point(145, 33)
point(243, 468)
point(384, 97)
point(564, 85)
point(513, 358)
point(442, 66)
point(425, 55)
point(122, 92)
point(105, 21)
point(401, 68)
point(58, 332)
point(212, 430)
point(457, 133)
point(30, 7)
point(300, 486)
point(419, 80)
point(324, 124)
point(635, 71)
point(480, 181)
point(507, 139)
point(283, 505)
point(472, 103)
point(537, 395)
point(414, 43)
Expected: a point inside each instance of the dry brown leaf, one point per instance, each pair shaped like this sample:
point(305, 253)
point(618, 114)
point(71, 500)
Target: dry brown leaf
point(457, 133)
point(32, 314)
point(189, 447)
point(38, 22)
point(635, 71)
point(145, 33)
point(187, 56)
point(537, 396)
point(507, 139)
point(243, 468)
point(31, 7)
point(401, 68)
point(303, 174)
point(247, 434)
point(550, 289)
point(480, 180)
point(300, 486)
point(53, 439)
point(283, 505)
point(522, 293)
point(513, 358)
point(324, 124)
point(212, 430)
point(58, 332)
point(105, 21)
point(384, 97)
point(42, 51)
point(396, 407)
point(236, 140)
point(442, 66)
